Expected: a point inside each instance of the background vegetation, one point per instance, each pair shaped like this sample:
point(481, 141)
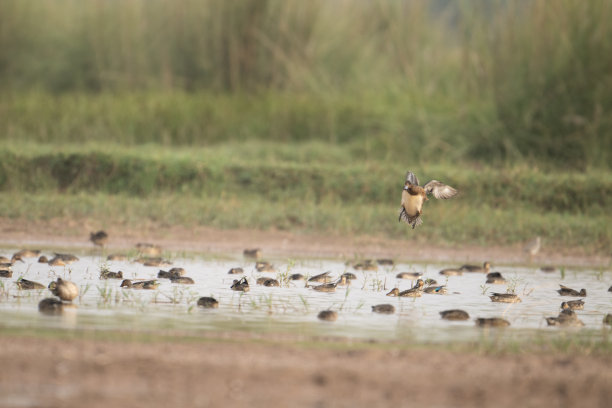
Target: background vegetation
point(313, 111)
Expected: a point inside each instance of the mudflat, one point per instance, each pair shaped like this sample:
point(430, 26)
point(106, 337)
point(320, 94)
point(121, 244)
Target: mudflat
point(243, 373)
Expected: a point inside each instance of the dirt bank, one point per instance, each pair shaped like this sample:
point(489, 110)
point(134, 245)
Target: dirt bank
point(94, 373)
point(73, 233)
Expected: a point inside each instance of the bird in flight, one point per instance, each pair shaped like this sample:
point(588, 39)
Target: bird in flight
point(413, 197)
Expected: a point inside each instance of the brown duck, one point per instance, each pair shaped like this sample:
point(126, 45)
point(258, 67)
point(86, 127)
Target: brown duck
point(147, 284)
point(98, 238)
point(565, 291)
point(505, 298)
point(25, 284)
point(492, 322)
point(454, 314)
point(383, 309)
point(415, 291)
point(414, 196)
point(208, 302)
point(64, 289)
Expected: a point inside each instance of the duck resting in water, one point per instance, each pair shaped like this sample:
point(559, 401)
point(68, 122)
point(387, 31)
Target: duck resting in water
point(414, 196)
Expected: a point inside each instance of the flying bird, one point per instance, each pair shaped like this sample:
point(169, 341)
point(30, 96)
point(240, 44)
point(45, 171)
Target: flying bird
point(413, 197)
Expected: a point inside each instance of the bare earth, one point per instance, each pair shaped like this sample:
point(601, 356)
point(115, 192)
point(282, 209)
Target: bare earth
point(72, 233)
point(238, 371)
point(78, 373)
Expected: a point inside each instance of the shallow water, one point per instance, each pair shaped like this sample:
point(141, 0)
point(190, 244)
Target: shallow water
point(293, 308)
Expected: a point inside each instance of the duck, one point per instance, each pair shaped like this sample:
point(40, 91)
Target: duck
point(505, 298)
point(143, 284)
point(414, 196)
point(106, 274)
point(565, 291)
point(64, 289)
point(4, 261)
point(241, 285)
point(451, 272)
point(25, 284)
point(183, 280)
point(430, 282)
point(409, 275)
point(454, 314)
point(177, 271)
point(366, 265)
point(27, 253)
point(608, 319)
point(252, 253)
point(67, 258)
point(56, 262)
point(328, 315)
point(6, 272)
point(116, 258)
point(263, 266)
point(610, 289)
point(573, 305)
point(495, 278)
point(548, 269)
point(235, 271)
point(486, 266)
point(267, 282)
point(385, 262)
point(567, 318)
point(296, 277)
point(344, 279)
point(50, 306)
point(321, 278)
point(349, 276)
point(98, 238)
point(384, 308)
point(167, 274)
point(156, 262)
point(145, 248)
point(208, 302)
point(492, 322)
point(326, 287)
point(43, 259)
point(435, 290)
point(415, 291)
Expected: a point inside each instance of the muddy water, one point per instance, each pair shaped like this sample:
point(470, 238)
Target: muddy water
point(293, 308)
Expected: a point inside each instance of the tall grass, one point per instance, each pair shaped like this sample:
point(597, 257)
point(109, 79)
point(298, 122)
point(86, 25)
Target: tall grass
point(484, 81)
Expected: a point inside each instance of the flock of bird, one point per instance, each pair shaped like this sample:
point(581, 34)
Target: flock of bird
point(66, 291)
point(413, 198)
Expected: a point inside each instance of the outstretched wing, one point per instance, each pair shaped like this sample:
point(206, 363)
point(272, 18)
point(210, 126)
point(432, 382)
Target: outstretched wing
point(412, 178)
point(439, 190)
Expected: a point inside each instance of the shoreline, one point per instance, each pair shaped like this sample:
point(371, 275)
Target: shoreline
point(275, 244)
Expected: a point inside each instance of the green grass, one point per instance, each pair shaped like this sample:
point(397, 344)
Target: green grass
point(310, 187)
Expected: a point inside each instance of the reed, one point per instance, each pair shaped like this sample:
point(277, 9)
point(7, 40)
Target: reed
point(491, 81)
